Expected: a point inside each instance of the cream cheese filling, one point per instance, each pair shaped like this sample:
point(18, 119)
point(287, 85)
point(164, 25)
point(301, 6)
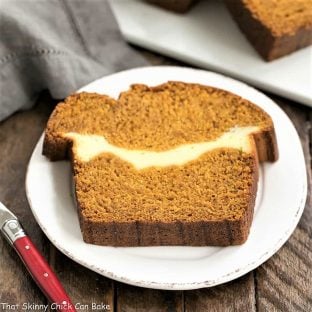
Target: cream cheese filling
point(88, 146)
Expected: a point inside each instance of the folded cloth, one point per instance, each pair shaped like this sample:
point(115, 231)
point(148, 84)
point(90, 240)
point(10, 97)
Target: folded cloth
point(59, 45)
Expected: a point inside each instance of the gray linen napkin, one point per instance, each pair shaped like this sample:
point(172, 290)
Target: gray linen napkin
point(58, 45)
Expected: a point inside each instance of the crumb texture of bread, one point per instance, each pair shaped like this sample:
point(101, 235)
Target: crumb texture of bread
point(113, 190)
point(203, 200)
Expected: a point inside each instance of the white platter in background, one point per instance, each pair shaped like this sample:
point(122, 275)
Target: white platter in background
point(280, 202)
point(207, 37)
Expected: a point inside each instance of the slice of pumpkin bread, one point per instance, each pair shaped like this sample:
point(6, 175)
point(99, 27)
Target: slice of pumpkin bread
point(175, 164)
point(274, 27)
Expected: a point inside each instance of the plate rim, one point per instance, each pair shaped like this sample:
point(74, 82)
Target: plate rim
point(190, 285)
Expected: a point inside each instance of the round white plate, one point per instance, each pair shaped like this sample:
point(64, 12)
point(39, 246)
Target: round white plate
point(280, 202)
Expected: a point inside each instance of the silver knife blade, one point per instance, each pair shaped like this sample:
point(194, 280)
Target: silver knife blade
point(5, 215)
point(9, 225)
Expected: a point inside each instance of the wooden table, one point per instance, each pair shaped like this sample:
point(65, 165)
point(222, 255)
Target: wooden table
point(283, 283)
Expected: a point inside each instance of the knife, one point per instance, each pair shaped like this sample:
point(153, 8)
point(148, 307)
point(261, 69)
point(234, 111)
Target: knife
point(33, 260)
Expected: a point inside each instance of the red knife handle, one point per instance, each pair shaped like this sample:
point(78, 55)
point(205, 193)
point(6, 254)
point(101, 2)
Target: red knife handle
point(43, 275)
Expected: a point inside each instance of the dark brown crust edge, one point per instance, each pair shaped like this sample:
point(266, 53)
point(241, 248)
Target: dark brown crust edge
point(55, 147)
point(266, 145)
point(179, 6)
point(268, 46)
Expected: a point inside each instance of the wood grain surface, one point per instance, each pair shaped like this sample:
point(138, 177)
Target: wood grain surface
point(283, 283)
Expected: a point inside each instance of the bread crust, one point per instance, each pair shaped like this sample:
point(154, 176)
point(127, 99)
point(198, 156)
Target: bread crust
point(268, 45)
point(266, 145)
